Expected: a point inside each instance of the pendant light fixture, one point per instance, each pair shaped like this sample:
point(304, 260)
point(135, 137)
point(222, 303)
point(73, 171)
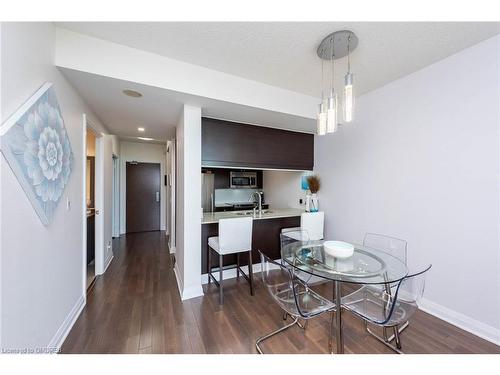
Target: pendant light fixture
point(322, 107)
point(333, 47)
point(331, 114)
point(348, 103)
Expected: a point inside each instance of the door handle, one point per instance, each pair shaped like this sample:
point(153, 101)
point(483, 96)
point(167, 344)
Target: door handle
point(157, 196)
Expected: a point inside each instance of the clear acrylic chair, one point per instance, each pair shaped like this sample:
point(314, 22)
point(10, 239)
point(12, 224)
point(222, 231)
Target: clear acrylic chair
point(398, 248)
point(291, 235)
point(293, 296)
point(390, 305)
point(394, 246)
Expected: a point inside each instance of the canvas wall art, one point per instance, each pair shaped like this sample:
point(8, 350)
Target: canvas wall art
point(36, 146)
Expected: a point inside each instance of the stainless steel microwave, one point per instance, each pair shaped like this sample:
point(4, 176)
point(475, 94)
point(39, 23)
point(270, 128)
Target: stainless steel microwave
point(243, 180)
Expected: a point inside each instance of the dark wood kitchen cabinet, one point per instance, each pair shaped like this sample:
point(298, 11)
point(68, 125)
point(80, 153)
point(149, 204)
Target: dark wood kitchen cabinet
point(229, 144)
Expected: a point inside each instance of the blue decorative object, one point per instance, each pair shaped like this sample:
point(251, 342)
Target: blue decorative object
point(37, 148)
point(305, 184)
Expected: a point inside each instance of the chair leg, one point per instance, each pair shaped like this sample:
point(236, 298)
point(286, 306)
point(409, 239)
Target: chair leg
point(400, 329)
point(209, 264)
point(250, 272)
point(393, 336)
point(237, 265)
point(397, 340)
point(261, 339)
point(332, 333)
point(396, 348)
point(221, 295)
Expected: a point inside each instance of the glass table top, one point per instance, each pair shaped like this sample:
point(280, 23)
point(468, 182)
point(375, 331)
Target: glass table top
point(365, 266)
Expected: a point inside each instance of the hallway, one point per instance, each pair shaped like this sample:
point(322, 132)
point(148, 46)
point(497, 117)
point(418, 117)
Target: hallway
point(135, 308)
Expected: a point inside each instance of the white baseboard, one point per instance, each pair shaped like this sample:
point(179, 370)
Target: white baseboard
point(186, 293)
point(180, 285)
point(108, 262)
point(67, 324)
point(462, 321)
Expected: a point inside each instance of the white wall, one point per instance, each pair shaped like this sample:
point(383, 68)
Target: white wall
point(282, 189)
point(188, 203)
point(41, 266)
point(145, 153)
point(107, 205)
point(421, 162)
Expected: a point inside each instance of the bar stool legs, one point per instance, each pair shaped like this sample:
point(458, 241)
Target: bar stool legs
point(219, 283)
point(250, 271)
point(221, 280)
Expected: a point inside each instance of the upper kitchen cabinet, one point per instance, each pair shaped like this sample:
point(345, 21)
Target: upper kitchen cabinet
point(229, 144)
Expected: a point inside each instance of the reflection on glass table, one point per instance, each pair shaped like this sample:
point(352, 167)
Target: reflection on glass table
point(366, 266)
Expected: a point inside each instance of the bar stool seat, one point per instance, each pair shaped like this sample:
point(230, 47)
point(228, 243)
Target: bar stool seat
point(213, 242)
point(235, 237)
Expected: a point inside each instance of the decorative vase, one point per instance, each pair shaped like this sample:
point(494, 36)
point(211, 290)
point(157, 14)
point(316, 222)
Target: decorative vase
point(314, 204)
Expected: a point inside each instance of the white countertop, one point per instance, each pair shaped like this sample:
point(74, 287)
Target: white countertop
point(272, 213)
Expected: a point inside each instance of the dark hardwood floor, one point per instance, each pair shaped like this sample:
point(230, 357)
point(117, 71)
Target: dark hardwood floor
point(135, 308)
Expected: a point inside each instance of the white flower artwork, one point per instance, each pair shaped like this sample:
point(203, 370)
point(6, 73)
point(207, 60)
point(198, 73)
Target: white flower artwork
point(37, 148)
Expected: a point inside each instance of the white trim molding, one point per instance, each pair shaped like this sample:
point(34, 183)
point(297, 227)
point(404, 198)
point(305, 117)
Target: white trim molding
point(462, 321)
point(186, 293)
point(67, 324)
point(107, 263)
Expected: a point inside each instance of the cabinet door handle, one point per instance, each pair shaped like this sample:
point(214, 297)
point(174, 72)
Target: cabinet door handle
point(157, 196)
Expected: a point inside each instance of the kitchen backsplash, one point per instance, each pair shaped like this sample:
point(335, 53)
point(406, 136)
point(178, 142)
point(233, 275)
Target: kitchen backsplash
point(233, 196)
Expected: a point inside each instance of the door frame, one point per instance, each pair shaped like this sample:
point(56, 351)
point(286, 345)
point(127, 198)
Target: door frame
point(171, 192)
point(116, 198)
point(99, 200)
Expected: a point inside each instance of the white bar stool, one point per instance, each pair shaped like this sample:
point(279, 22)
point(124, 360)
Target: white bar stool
point(235, 237)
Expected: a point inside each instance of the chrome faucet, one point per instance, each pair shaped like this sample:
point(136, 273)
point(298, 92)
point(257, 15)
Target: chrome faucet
point(259, 200)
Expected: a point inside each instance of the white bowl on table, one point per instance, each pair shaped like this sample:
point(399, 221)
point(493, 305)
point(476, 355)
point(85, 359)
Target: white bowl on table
point(338, 249)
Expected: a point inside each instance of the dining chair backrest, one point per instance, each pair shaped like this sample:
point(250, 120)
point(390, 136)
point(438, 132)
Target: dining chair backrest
point(313, 223)
point(235, 235)
point(394, 246)
point(291, 235)
point(284, 287)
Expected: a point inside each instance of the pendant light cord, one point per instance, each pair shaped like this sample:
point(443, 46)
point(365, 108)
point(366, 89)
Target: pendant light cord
point(322, 80)
point(333, 70)
point(349, 54)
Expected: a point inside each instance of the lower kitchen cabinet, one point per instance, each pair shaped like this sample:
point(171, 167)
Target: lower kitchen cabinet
point(266, 237)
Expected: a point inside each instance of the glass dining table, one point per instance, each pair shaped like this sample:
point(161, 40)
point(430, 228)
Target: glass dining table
point(365, 266)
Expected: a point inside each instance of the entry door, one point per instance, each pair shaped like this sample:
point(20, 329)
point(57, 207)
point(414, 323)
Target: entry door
point(143, 197)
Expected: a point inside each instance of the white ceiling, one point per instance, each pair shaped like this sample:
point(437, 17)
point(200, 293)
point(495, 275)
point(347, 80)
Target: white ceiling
point(158, 110)
point(284, 54)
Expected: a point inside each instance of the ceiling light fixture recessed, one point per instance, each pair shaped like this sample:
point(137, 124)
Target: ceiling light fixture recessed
point(132, 93)
point(145, 139)
point(140, 129)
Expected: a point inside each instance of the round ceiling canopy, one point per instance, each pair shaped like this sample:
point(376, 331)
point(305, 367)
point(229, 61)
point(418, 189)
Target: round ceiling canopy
point(335, 45)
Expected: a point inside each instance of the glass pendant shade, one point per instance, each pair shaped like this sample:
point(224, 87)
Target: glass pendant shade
point(321, 119)
point(331, 114)
point(348, 102)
